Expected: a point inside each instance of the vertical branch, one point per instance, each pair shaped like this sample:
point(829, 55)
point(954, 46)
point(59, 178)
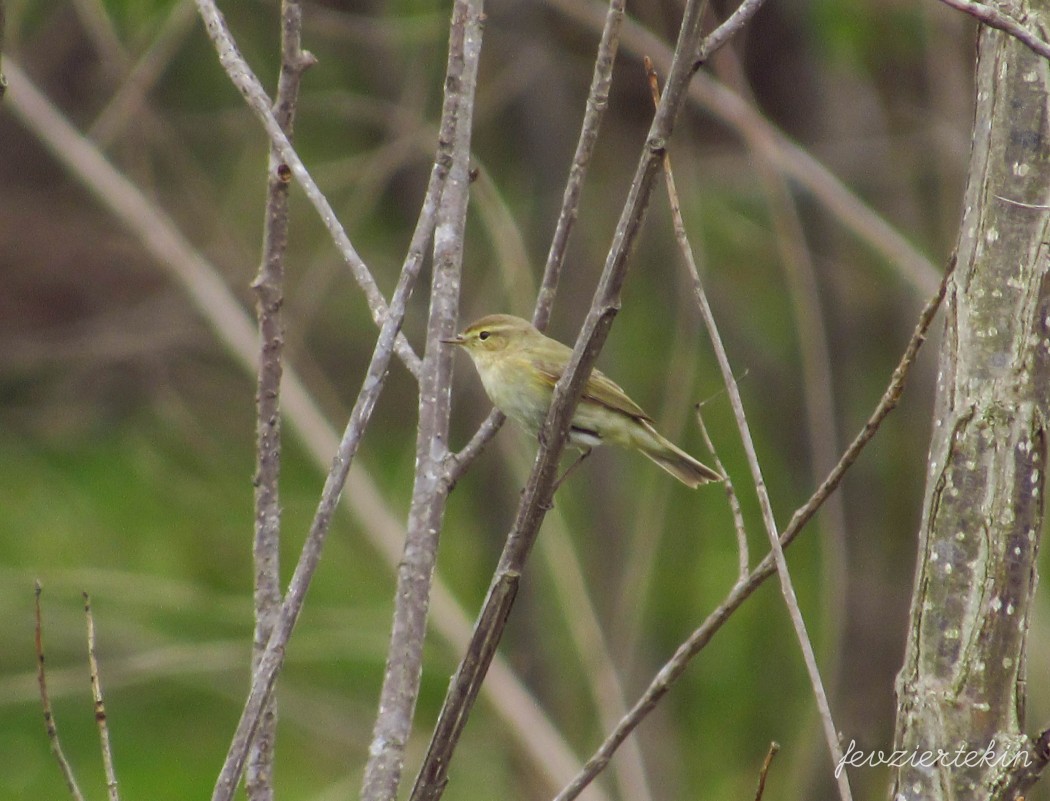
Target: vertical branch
point(401, 678)
point(963, 678)
point(100, 705)
point(597, 103)
point(269, 288)
point(272, 659)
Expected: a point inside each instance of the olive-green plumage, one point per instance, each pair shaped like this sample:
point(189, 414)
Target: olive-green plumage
point(519, 367)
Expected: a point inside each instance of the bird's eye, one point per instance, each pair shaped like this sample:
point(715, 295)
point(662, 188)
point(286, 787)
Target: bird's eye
point(483, 335)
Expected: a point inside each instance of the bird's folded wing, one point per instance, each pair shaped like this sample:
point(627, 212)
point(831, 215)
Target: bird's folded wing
point(600, 389)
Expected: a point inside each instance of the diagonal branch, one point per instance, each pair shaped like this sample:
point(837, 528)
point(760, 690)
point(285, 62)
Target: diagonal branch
point(994, 18)
point(742, 590)
point(248, 84)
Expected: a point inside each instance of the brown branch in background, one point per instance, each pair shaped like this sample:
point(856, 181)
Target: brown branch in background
point(537, 495)
point(597, 103)
point(774, 747)
point(45, 699)
point(245, 80)
point(786, 585)
point(269, 289)
point(791, 160)
point(994, 18)
point(404, 663)
point(128, 105)
point(3, 29)
point(696, 642)
point(100, 705)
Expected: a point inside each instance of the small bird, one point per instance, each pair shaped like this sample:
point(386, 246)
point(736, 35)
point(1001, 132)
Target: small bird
point(519, 367)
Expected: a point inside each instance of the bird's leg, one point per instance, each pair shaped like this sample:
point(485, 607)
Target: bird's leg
point(579, 460)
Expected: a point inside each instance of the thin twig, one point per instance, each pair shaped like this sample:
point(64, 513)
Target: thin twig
point(774, 747)
point(45, 699)
point(743, 555)
point(737, 404)
point(100, 705)
point(676, 665)
point(245, 80)
point(995, 18)
point(597, 103)
point(402, 674)
point(269, 288)
point(536, 497)
point(817, 384)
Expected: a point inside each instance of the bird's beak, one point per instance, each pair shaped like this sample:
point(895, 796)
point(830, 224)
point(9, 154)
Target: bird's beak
point(456, 340)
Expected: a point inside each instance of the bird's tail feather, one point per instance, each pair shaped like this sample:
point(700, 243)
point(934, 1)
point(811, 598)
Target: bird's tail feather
point(678, 463)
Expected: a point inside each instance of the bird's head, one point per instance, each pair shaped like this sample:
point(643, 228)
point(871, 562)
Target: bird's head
point(494, 333)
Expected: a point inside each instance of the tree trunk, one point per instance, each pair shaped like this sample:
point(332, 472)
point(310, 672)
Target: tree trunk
point(961, 691)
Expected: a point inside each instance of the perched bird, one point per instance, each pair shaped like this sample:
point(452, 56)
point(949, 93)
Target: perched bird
point(519, 367)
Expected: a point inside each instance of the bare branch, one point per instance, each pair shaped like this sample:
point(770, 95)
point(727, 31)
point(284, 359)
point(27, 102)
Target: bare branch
point(269, 288)
point(244, 79)
point(597, 103)
point(100, 705)
point(994, 18)
point(401, 678)
point(772, 752)
point(272, 659)
point(45, 699)
point(737, 404)
point(743, 557)
point(816, 376)
point(696, 642)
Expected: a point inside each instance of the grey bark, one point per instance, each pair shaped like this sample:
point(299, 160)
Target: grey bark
point(961, 691)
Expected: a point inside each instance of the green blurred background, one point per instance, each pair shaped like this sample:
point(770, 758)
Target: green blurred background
point(126, 428)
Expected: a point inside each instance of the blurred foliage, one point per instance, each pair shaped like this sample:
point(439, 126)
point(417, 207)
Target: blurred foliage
point(127, 432)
